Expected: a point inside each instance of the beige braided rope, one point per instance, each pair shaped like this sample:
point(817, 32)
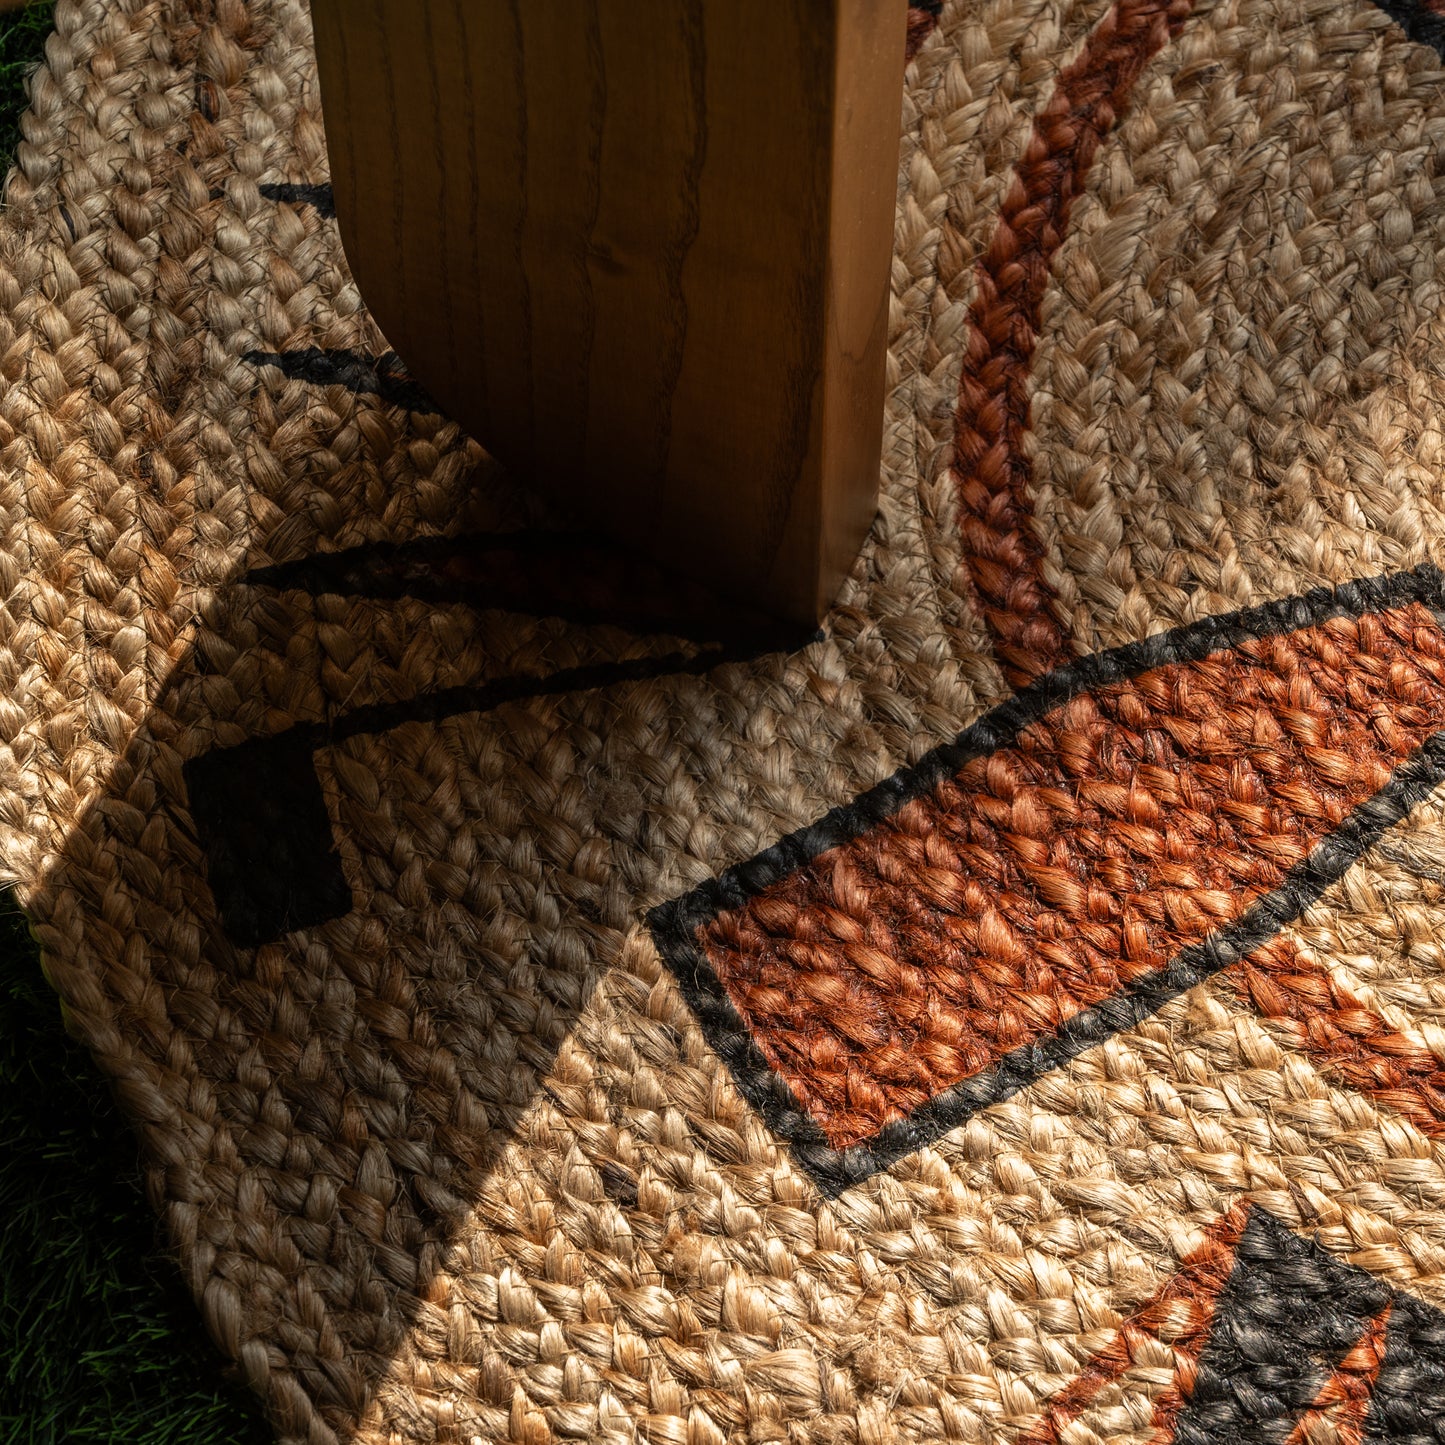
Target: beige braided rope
point(462, 1164)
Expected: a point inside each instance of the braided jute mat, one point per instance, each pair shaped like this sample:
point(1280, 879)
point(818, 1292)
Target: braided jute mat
point(1017, 1014)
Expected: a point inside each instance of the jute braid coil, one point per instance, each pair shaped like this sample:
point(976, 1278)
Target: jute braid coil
point(1015, 1015)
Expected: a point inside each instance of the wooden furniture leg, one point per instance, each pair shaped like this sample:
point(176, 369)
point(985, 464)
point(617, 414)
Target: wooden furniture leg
point(640, 249)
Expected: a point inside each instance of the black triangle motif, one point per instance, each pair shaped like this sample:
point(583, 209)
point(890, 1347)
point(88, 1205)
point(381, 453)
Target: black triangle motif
point(1408, 1404)
point(1287, 1316)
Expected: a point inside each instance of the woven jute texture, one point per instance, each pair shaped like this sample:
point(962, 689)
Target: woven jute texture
point(1017, 1014)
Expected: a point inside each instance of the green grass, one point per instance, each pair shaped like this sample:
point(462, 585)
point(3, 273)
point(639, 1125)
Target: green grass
point(22, 43)
point(98, 1339)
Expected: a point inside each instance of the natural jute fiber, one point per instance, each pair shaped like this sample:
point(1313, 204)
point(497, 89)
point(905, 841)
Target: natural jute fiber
point(1017, 1014)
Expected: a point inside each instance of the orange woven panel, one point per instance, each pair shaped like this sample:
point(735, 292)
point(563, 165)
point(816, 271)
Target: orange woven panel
point(1015, 1013)
point(1092, 857)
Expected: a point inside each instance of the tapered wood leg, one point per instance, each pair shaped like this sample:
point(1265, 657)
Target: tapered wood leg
point(640, 248)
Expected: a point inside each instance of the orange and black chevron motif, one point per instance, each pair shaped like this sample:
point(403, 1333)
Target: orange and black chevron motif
point(1119, 831)
point(1273, 1339)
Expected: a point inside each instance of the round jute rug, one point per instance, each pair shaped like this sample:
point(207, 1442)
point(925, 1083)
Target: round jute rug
point(1017, 1014)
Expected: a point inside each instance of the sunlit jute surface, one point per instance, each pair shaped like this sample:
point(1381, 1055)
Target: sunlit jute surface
point(461, 1163)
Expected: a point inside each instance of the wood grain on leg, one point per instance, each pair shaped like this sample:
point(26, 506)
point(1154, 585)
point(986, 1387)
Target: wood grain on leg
point(640, 248)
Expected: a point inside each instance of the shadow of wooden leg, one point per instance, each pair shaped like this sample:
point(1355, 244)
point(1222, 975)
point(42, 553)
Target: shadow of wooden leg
point(257, 807)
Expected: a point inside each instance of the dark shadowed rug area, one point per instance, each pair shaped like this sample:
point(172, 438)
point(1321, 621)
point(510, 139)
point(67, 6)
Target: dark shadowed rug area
point(1016, 1013)
point(97, 1335)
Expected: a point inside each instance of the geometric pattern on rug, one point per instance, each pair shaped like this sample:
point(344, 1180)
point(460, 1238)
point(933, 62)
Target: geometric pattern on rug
point(1264, 1337)
point(1113, 835)
point(1127, 826)
point(432, 1182)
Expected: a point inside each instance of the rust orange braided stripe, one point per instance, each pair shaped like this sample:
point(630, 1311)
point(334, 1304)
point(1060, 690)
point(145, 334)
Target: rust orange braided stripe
point(1001, 551)
point(1324, 1020)
point(1341, 1409)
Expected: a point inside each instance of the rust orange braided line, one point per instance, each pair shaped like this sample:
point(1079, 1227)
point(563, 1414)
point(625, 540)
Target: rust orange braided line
point(1343, 1403)
point(1001, 551)
point(922, 21)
